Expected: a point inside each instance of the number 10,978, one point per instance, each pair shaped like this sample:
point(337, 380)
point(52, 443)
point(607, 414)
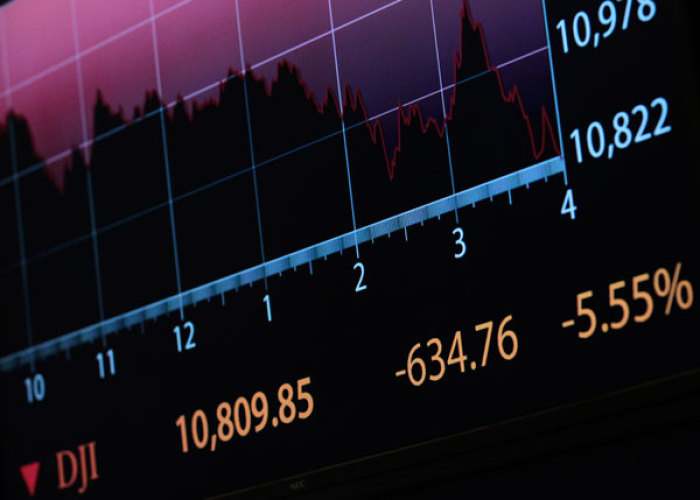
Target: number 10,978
point(613, 16)
point(643, 123)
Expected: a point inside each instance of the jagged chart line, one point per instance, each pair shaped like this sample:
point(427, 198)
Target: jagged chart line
point(409, 117)
point(352, 100)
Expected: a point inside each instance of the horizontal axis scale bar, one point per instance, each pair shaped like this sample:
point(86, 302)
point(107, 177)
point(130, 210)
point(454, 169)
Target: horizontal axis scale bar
point(418, 215)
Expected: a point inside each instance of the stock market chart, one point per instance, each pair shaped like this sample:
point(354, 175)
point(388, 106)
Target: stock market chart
point(245, 241)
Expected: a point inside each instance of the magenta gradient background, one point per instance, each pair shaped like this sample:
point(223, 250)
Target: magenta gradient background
point(389, 56)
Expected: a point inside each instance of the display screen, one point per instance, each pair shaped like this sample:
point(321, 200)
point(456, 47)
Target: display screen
point(250, 242)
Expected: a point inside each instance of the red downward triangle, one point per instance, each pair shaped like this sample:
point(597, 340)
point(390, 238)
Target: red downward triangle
point(30, 473)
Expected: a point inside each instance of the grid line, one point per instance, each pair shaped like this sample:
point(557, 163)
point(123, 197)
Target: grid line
point(250, 134)
point(79, 55)
point(247, 277)
point(164, 139)
point(22, 243)
point(144, 22)
point(345, 135)
point(86, 144)
point(161, 111)
point(227, 178)
point(18, 206)
point(88, 173)
point(442, 101)
point(65, 154)
point(554, 90)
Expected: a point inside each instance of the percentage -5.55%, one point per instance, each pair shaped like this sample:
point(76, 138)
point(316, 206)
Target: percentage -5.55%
point(670, 287)
point(418, 370)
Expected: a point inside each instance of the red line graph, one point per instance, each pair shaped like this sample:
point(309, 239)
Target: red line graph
point(353, 101)
point(414, 111)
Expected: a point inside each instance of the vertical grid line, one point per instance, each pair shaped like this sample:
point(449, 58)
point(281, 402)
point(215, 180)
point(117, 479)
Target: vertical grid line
point(444, 106)
point(88, 173)
point(249, 124)
point(342, 122)
point(554, 89)
point(20, 230)
point(18, 199)
point(164, 140)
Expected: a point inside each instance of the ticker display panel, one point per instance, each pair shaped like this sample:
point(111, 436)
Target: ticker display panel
point(245, 240)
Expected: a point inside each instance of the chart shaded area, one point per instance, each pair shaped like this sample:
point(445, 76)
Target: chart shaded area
point(175, 196)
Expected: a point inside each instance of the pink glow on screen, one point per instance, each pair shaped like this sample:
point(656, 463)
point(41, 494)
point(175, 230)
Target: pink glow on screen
point(101, 19)
point(272, 26)
point(105, 70)
point(198, 45)
point(201, 27)
point(38, 35)
point(344, 11)
point(55, 123)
